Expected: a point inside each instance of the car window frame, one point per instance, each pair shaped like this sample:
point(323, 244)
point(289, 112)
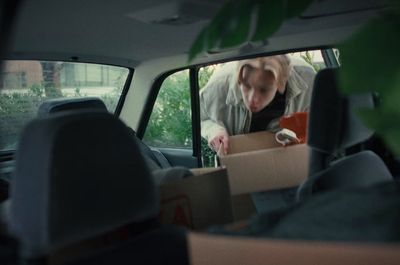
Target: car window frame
point(124, 92)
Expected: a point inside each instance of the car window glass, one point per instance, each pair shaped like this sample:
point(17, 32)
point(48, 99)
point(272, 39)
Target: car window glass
point(170, 123)
point(26, 84)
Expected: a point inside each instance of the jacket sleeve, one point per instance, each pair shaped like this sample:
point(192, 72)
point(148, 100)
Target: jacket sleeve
point(305, 76)
point(308, 75)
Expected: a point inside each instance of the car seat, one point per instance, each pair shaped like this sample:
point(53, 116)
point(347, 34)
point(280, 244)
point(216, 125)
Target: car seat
point(154, 159)
point(51, 106)
point(79, 176)
point(333, 127)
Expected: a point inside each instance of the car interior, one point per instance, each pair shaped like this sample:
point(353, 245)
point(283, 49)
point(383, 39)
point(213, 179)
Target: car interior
point(103, 160)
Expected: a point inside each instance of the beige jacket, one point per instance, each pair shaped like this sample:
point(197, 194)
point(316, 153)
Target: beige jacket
point(222, 106)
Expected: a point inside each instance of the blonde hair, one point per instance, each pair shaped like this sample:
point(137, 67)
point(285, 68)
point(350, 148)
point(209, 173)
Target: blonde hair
point(278, 65)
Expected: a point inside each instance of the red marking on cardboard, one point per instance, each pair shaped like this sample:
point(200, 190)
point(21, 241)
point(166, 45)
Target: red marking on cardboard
point(181, 211)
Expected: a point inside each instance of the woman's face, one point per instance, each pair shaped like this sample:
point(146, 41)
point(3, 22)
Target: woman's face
point(258, 88)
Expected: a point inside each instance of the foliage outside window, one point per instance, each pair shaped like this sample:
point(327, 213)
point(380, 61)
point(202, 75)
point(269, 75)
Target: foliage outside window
point(26, 84)
point(170, 123)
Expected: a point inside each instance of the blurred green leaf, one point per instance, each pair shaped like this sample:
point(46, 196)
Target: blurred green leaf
point(237, 26)
point(370, 64)
point(386, 124)
point(232, 24)
point(270, 15)
point(369, 57)
point(198, 45)
point(216, 27)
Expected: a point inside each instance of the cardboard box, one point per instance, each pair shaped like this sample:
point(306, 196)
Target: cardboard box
point(199, 201)
point(256, 162)
point(252, 142)
point(220, 250)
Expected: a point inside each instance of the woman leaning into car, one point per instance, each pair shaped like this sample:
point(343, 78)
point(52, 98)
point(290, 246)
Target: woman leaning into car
point(250, 95)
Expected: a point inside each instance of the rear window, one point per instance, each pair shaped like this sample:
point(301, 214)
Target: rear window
point(26, 84)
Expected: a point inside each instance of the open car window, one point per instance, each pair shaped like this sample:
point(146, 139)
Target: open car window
point(26, 84)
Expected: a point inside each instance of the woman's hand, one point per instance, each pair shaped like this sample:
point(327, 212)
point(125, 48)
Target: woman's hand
point(220, 138)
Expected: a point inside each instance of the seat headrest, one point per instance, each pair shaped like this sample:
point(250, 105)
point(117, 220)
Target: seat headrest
point(77, 175)
point(64, 104)
point(333, 124)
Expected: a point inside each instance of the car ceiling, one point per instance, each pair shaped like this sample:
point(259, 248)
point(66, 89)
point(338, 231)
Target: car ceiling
point(128, 32)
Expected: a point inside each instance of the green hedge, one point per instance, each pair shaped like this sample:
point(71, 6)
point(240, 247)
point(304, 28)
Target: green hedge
point(18, 108)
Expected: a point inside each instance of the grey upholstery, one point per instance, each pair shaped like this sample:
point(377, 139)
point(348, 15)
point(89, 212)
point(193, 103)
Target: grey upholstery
point(63, 104)
point(77, 176)
point(362, 169)
point(333, 127)
point(368, 215)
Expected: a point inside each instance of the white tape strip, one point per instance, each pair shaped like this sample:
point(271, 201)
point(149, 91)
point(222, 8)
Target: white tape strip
point(286, 136)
